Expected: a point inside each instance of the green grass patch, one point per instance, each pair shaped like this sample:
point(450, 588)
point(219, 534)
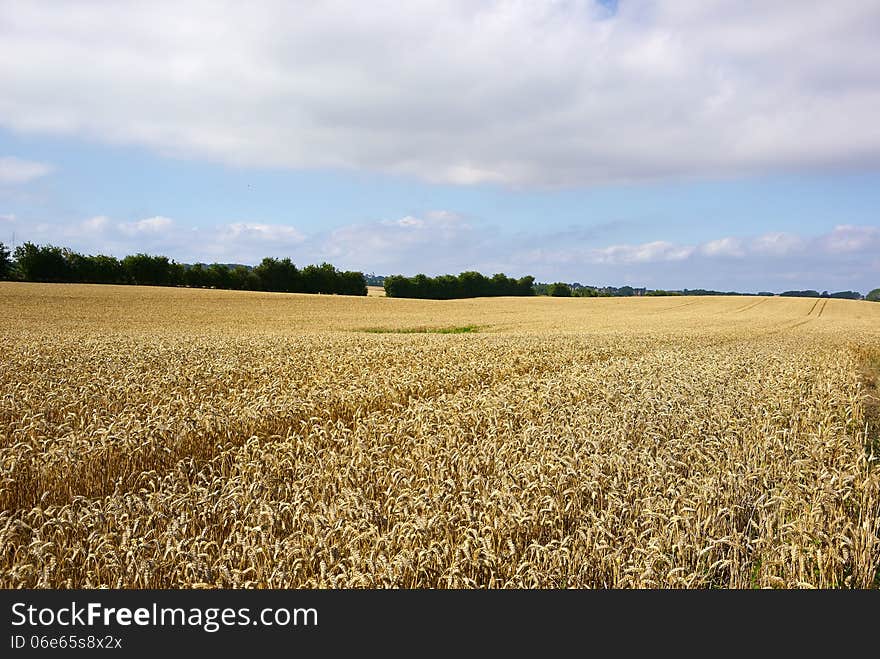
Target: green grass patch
point(462, 329)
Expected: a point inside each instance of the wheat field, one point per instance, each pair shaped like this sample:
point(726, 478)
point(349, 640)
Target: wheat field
point(176, 438)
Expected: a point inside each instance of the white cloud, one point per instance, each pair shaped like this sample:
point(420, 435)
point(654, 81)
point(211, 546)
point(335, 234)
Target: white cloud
point(150, 225)
point(520, 93)
point(778, 244)
point(846, 238)
point(651, 252)
point(7, 218)
point(15, 170)
point(408, 221)
point(258, 232)
point(237, 241)
point(723, 247)
point(409, 242)
point(95, 224)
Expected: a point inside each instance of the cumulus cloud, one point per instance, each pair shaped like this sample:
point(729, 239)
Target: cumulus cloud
point(152, 225)
point(651, 252)
point(723, 247)
point(246, 242)
point(433, 241)
point(778, 244)
point(452, 91)
point(258, 232)
point(15, 170)
point(846, 238)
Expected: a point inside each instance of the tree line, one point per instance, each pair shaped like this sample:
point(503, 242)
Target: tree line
point(840, 295)
point(562, 289)
point(47, 263)
point(449, 287)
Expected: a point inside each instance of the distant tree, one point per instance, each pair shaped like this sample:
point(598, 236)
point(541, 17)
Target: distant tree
point(807, 293)
point(319, 279)
point(280, 275)
point(846, 295)
point(766, 294)
point(352, 283)
point(99, 269)
point(448, 287)
point(500, 285)
point(397, 286)
point(176, 274)
point(423, 288)
point(80, 267)
point(873, 296)
point(585, 291)
point(42, 263)
point(220, 276)
point(147, 270)
point(473, 284)
point(559, 289)
point(525, 285)
point(5, 262)
point(243, 279)
point(56, 264)
point(107, 270)
point(196, 276)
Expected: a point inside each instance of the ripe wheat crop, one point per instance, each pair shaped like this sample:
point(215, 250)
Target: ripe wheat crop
point(175, 438)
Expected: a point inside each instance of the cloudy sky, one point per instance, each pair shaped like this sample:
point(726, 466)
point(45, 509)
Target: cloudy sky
point(727, 144)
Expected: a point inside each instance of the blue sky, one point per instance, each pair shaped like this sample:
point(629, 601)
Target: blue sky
point(608, 143)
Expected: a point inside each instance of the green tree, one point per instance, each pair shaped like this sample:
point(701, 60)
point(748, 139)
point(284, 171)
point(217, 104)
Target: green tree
point(448, 287)
point(473, 284)
point(525, 285)
point(559, 289)
point(243, 279)
point(873, 296)
point(220, 276)
point(847, 295)
point(196, 276)
point(106, 270)
point(352, 283)
point(42, 263)
point(279, 275)
point(5, 262)
point(147, 270)
point(397, 286)
point(176, 274)
point(319, 279)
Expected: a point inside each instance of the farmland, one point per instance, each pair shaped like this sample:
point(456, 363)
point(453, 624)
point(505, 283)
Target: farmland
point(179, 438)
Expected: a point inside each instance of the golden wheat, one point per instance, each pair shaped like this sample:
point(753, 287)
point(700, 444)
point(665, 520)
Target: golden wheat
point(173, 438)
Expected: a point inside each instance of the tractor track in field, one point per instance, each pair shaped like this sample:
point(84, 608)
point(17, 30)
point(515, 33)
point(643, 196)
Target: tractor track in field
point(751, 305)
point(678, 306)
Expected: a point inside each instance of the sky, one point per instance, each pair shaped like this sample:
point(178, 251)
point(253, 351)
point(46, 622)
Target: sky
point(725, 144)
